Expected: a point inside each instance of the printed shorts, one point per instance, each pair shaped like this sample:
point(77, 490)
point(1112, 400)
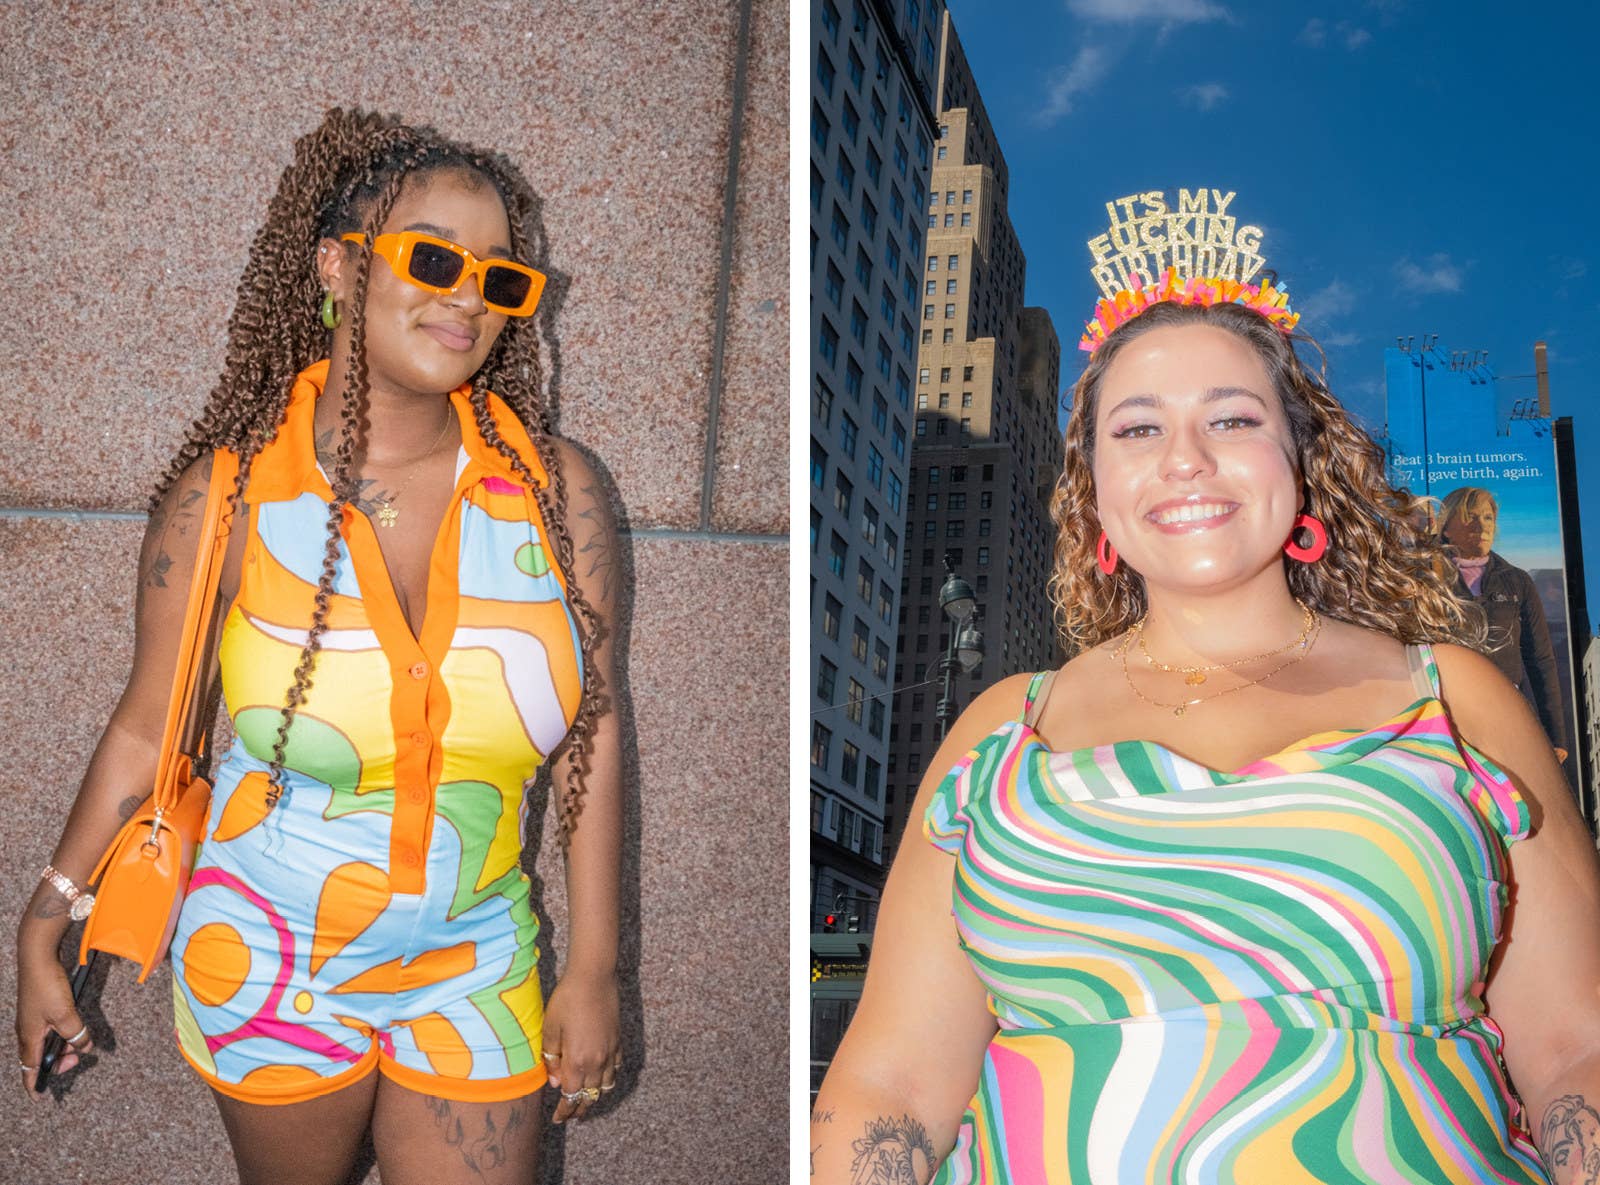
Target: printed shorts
point(297, 971)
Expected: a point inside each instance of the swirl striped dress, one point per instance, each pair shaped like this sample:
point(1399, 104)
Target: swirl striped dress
point(1273, 974)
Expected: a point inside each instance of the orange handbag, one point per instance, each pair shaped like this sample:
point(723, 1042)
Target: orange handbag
point(140, 881)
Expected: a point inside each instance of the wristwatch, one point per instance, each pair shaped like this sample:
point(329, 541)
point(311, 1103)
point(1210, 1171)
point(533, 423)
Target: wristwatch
point(81, 901)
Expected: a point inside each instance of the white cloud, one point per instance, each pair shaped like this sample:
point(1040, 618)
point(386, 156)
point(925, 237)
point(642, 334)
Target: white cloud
point(1204, 95)
point(1341, 340)
point(1173, 12)
point(1083, 73)
point(1571, 269)
point(1354, 38)
point(1325, 304)
point(1438, 275)
point(1315, 34)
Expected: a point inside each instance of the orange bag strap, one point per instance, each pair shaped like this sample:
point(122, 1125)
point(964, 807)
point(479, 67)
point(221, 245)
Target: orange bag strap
point(216, 524)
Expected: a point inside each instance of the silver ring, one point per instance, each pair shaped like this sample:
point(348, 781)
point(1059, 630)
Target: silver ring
point(78, 1036)
point(604, 1087)
point(28, 1069)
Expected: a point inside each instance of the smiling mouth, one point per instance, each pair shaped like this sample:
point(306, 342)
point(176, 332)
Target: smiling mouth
point(1192, 513)
point(451, 338)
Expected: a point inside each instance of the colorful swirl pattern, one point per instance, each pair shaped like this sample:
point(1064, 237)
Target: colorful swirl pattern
point(1273, 974)
point(378, 917)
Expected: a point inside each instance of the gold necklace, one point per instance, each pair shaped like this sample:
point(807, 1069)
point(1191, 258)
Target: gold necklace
point(1306, 641)
point(1195, 675)
point(387, 514)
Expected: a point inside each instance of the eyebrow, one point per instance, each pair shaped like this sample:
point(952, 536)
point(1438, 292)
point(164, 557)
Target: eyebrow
point(444, 232)
point(1212, 395)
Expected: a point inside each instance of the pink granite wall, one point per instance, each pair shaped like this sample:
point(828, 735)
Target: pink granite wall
point(141, 145)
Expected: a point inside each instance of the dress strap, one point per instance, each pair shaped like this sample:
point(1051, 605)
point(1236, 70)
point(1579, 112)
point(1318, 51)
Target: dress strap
point(1424, 669)
point(1033, 702)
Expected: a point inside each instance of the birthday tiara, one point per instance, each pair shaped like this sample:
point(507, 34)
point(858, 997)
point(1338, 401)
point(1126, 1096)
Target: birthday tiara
point(1190, 252)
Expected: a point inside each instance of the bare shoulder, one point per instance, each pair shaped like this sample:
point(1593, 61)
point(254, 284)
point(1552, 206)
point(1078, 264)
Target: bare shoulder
point(994, 706)
point(1472, 687)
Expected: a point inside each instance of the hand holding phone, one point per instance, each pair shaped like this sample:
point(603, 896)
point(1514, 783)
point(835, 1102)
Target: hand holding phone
point(54, 1043)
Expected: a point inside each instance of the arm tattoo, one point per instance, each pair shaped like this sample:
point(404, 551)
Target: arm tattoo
point(893, 1152)
point(1569, 1140)
point(127, 806)
point(602, 563)
point(482, 1142)
point(53, 906)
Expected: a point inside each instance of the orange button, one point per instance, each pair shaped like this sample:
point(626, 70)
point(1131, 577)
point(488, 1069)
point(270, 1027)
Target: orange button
point(409, 859)
point(417, 794)
point(419, 670)
point(419, 738)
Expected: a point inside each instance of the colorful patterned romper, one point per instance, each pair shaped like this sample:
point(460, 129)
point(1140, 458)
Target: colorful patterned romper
point(378, 918)
point(1271, 975)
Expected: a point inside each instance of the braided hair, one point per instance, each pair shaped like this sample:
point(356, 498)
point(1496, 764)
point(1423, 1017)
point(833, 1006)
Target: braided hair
point(346, 177)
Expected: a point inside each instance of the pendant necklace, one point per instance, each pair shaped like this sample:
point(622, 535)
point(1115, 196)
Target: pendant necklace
point(387, 514)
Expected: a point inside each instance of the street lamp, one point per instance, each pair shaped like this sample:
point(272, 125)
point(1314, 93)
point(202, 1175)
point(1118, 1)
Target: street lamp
point(965, 651)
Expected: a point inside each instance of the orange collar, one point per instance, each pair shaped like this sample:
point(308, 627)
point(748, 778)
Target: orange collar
point(287, 467)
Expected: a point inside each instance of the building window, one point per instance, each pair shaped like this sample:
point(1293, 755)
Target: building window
point(931, 528)
point(843, 492)
point(944, 400)
point(857, 697)
point(874, 466)
point(966, 218)
point(840, 228)
point(933, 263)
point(836, 553)
point(985, 500)
point(825, 73)
point(942, 428)
point(922, 426)
point(927, 336)
point(844, 172)
point(966, 197)
point(850, 765)
point(828, 344)
point(819, 463)
point(885, 602)
point(896, 492)
point(827, 673)
point(864, 578)
point(966, 399)
point(966, 374)
point(957, 500)
point(877, 114)
point(966, 425)
point(834, 285)
point(869, 216)
point(851, 120)
point(880, 412)
point(983, 557)
point(955, 528)
point(858, 641)
point(949, 220)
point(933, 475)
point(852, 378)
point(869, 523)
point(857, 69)
point(922, 400)
point(983, 526)
point(897, 440)
point(821, 739)
point(891, 548)
point(821, 409)
point(875, 715)
point(949, 311)
point(953, 262)
point(820, 127)
point(831, 610)
point(830, 19)
point(950, 287)
point(941, 152)
point(871, 787)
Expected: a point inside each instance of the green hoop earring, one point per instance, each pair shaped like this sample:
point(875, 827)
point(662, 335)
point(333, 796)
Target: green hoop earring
point(330, 311)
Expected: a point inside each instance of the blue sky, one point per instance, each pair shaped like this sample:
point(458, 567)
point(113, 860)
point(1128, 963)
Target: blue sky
point(1418, 166)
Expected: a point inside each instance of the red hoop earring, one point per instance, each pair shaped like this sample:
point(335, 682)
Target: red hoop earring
point(1319, 540)
point(1106, 555)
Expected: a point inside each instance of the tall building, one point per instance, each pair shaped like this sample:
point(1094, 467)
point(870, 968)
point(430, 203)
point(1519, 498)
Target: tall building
point(985, 449)
point(874, 73)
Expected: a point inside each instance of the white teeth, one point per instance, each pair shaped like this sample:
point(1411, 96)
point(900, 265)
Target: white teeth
point(1192, 513)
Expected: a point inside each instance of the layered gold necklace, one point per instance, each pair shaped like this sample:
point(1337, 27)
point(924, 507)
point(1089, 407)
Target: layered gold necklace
point(1194, 676)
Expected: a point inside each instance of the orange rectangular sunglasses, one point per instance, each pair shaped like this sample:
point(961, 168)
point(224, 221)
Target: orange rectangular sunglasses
point(438, 265)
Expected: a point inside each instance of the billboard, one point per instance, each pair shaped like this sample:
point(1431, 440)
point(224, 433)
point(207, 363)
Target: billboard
point(1493, 475)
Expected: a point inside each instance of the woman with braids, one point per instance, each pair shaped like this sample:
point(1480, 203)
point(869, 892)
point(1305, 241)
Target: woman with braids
point(1225, 898)
point(412, 618)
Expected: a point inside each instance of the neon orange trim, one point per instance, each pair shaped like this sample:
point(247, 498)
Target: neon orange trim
point(464, 1090)
point(283, 1097)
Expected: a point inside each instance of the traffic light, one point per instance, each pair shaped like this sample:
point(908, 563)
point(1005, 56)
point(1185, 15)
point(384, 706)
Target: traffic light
point(830, 923)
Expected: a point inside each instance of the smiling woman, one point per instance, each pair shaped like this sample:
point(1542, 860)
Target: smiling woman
point(404, 640)
point(1228, 897)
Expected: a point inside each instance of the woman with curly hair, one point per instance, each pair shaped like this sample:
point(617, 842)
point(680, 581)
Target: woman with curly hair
point(1230, 888)
point(404, 633)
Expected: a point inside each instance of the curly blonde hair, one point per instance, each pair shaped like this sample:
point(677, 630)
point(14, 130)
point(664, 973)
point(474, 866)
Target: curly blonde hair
point(1384, 568)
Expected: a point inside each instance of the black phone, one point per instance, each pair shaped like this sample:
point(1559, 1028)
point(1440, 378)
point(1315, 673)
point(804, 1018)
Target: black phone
point(54, 1042)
